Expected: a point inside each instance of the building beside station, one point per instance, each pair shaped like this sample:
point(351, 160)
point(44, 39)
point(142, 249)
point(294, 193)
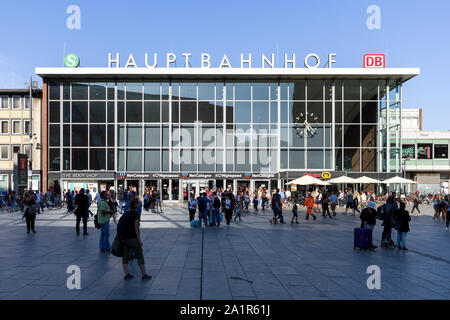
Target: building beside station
point(184, 129)
point(16, 121)
point(425, 156)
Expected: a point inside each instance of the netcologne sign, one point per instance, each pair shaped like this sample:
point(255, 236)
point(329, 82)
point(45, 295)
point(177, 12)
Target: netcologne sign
point(311, 60)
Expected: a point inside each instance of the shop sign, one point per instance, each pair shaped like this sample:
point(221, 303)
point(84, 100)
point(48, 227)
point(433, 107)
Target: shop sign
point(87, 175)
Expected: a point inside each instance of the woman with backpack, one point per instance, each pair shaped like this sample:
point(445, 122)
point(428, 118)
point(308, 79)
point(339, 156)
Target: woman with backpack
point(129, 235)
point(28, 206)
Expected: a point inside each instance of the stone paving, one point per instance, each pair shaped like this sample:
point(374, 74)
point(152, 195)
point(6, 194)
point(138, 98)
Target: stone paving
point(252, 259)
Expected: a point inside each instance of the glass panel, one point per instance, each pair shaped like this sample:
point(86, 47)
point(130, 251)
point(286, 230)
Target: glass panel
point(369, 89)
point(175, 111)
point(297, 136)
point(120, 112)
point(188, 159)
point(260, 112)
point(66, 135)
point(369, 160)
point(188, 111)
point(165, 160)
point(440, 151)
point(98, 135)
point(134, 160)
point(242, 91)
point(409, 151)
point(110, 135)
point(229, 112)
point(369, 112)
point(134, 111)
point(338, 112)
point(165, 111)
point(351, 160)
point(316, 140)
point(111, 159)
point(134, 136)
point(97, 159)
point(54, 135)
point(121, 160)
point(187, 136)
point(152, 136)
point(110, 90)
point(66, 159)
point(424, 151)
point(175, 160)
point(152, 111)
point(79, 112)
point(206, 136)
point(219, 91)
point(54, 91)
point(243, 112)
point(315, 89)
point(315, 112)
point(152, 158)
point(338, 159)
point(97, 112)
point(297, 92)
point(205, 91)
point(207, 160)
point(206, 112)
point(120, 91)
point(315, 159)
point(97, 91)
point(338, 89)
point(55, 111)
point(165, 136)
point(79, 159)
point(338, 136)
point(369, 136)
point(188, 90)
point(351, 89)
point(219, 112)
point(134, 91)
point(274, 112)
point(151, 90)
point(242, 136)
point(79, 135)
point(242, 159)
point(80, 90)
point(351, 112)
point(352, 136)
point(296, 159)
point(54, 161)
point(66, 111)
point(260, 91)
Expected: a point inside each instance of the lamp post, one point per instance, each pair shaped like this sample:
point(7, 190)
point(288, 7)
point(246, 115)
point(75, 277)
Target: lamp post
point(32, 85)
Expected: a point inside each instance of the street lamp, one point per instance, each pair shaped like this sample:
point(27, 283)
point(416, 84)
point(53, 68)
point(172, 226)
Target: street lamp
point(32, 85)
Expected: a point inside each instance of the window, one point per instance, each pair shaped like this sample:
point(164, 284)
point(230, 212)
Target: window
point(26, 126)
point(408, 151)
point(15, 149)
point(5, 126)
point(4, 152)
point(441, 151)
point(16, 127)
point(17, 102)
point(27, 150)
point(27, 102)
point(424, 151)
point(4, 102)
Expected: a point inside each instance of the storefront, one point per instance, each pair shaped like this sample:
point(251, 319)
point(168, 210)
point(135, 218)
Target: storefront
point(187, 130)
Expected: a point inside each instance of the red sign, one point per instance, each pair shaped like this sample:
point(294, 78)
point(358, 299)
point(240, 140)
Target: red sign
point(23, 163)
point(315, 175)
point(374, 61)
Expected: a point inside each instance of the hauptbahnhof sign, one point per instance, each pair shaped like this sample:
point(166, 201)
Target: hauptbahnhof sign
point(311, 60)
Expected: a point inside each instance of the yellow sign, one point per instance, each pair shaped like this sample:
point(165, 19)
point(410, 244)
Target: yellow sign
point(326, 175)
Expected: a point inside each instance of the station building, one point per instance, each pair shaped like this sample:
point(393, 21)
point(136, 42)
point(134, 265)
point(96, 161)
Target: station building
point(185, 129)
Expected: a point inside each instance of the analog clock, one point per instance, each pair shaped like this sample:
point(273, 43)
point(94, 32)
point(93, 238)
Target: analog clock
point(304, 122)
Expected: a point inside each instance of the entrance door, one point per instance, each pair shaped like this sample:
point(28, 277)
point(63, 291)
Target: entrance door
point(133, 184)
point(263, 184)
point(188, 188)
point(243, 185)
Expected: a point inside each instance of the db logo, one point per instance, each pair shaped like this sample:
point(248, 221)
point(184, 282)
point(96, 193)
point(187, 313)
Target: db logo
point(23, 163)
point(374, 61)
point(326, 175)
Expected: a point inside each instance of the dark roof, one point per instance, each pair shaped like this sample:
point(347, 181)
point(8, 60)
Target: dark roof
point(21, 92)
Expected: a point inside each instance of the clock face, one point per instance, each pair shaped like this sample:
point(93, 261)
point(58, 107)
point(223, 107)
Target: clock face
point(303, 124)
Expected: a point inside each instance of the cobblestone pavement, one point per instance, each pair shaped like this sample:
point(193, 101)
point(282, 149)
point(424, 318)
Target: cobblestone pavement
point(252, 259)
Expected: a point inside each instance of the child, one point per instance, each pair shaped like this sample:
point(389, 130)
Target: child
point(294, 212)
point(238, 211)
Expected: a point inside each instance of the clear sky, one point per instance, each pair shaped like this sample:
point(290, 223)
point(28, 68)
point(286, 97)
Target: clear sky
point(413, 34)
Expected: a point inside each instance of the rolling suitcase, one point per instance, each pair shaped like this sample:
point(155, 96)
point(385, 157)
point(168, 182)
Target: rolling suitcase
point(363, 238)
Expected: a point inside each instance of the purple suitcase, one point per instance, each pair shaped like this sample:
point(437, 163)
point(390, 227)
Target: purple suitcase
point(363, 238)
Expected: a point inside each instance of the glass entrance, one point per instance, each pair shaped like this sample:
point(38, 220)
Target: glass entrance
point(189, 187)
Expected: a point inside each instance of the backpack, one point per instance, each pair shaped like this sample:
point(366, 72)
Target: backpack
point(216, 203)
point(201, 204)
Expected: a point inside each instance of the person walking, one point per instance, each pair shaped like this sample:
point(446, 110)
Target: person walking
point(309, 204)
point(350, 203)
point(215, 213)
point(192, 207)
point(158, 201)
point(294, 212)
point(28, 206)
point(356, 202)
point(69, 201)
point(202, 214)
point(390, 208)
point(415, 203)
point(82, 212)
point(368, 217)
point(333, 200)
point(443, 207)
point(436, 200)
point(228, 205)
point(324, 202)
point(402, 218)
point(129, 234)
point(104, 214)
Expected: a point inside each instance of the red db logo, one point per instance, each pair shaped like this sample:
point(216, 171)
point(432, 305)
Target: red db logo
point(374, 61)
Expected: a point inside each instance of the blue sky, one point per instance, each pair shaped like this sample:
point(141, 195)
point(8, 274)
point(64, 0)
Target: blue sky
point(413, 34)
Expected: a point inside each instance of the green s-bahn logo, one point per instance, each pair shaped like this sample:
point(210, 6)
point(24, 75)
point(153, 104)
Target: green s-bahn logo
point(71, 60)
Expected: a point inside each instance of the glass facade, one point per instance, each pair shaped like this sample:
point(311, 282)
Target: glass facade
point(222, 126)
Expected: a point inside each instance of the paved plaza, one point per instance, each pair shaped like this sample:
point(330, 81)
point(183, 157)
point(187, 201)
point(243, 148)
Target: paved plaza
point(252, 259)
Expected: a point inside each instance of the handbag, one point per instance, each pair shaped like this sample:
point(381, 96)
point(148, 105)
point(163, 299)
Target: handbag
point(116, 248)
